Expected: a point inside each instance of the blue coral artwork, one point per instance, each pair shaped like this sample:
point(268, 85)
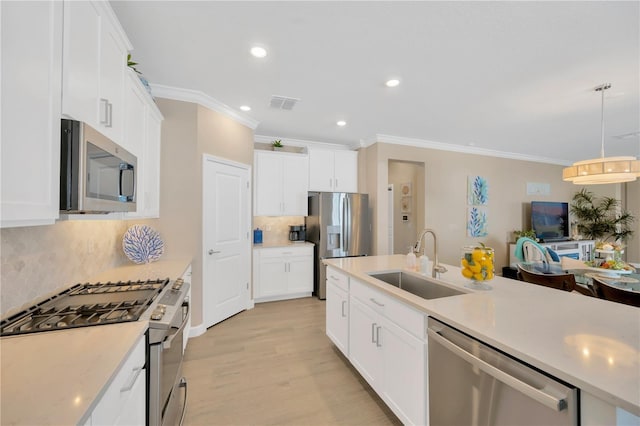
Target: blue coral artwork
point(477, 222)
point(477, 191)
point(142, 244)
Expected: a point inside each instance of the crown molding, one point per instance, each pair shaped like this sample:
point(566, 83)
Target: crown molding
point(422, 143)
point(201, 98)
point(305, 143)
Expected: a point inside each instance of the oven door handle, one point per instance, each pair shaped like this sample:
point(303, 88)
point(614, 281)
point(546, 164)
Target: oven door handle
point(167, 343)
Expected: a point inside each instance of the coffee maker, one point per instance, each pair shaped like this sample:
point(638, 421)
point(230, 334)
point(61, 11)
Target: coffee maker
point(297, 233)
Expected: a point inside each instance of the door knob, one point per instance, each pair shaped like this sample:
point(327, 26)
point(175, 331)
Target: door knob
point(214, 251)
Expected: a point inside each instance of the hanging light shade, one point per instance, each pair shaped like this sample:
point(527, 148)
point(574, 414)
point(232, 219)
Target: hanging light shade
point(604, 169)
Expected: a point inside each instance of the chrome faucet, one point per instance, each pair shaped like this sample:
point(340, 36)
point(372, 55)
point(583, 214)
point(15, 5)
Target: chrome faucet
point(437, 268)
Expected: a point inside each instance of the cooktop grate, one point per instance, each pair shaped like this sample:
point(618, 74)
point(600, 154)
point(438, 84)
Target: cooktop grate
point(86, 305)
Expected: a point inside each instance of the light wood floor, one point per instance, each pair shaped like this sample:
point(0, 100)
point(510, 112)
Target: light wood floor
point(274, 365)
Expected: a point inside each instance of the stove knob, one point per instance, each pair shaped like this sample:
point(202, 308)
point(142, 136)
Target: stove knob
point(158, 312)
point(177, 285)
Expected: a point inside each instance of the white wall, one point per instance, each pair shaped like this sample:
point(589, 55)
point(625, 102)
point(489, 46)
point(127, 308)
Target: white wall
point(446, 195)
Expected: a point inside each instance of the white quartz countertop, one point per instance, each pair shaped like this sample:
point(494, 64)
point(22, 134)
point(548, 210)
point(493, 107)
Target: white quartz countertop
point(57, 377)
point(591, 343)
point(161, 269)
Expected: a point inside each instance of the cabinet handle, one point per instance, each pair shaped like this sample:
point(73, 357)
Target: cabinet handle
point(344, 302)
point(336, 182)
point(129, 386)
point(109, 115)
point(376, 302)
point(104, 113)
point(373, 332)
point(378, 344)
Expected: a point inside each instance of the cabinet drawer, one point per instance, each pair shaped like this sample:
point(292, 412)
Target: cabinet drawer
point(286, 251)
point(375, 299)
point(338, 278)
point(404, 316)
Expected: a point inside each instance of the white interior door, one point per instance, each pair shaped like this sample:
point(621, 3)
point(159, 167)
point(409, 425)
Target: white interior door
point(226, 248)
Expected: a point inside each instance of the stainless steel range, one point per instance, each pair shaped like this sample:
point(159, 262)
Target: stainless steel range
point(161, 302)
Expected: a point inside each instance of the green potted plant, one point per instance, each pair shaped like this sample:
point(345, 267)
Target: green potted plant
point(601, 218)
point(276, 145)
point(530, 233)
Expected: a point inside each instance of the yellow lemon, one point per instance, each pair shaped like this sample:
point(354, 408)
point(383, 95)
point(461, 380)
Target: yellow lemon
point(478, 276)
point(466, 272)
point(477, 255)
point(464, 263)
point(475, 268)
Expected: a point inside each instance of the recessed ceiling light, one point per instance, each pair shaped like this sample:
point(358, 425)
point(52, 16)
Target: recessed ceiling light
point(392, 83)
point(245, 108)
point(258, 52)
point(341, 123)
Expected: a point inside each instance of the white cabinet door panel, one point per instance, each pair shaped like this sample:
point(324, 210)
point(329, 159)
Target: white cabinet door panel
point(267, 185)
point(404, 374)
point(273, 277)
point(345, 171)
point(30, 108)
point(337, 321)
point(295, 186)
point(364, 354)
point(321, 170)
point(300, 274)
point(81, 61)
point(112, 71)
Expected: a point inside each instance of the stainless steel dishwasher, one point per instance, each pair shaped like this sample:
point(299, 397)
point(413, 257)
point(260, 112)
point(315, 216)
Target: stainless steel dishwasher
point(473, 384)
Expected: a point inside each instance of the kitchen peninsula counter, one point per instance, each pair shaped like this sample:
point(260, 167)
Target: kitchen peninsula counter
point(591, 343)
point(57, 377)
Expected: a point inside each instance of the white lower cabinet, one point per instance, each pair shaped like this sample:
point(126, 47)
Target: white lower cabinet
point(337, 318)
point(124, 401)
point(387, 345)
point(282, 273)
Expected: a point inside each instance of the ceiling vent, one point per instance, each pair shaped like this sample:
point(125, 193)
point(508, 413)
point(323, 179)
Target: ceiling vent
point(282, 102)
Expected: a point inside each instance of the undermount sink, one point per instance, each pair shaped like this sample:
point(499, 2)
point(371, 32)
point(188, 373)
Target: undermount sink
point(421, 287)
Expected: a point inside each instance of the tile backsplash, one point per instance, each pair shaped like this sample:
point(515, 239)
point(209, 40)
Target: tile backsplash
point(276, 229)
point(41, 259)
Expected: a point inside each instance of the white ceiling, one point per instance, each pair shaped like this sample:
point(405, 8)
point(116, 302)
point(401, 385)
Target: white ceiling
point(515, 77)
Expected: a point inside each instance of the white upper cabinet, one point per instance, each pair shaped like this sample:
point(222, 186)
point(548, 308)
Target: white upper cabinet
point(280, 184)
point(142, 122)
point(333, 171)
point(31, 76)
point(94, 63)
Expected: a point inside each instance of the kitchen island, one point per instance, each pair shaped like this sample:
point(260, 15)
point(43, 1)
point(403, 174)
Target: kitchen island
point(591, 343)
point(58, 377)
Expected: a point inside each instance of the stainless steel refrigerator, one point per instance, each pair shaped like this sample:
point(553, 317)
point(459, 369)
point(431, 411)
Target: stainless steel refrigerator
point(339, 225)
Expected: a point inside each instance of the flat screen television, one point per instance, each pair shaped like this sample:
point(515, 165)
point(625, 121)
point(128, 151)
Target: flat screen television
point(550, 220)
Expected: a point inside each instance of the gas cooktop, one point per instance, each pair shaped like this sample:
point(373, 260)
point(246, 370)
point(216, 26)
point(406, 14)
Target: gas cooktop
point(85, 305)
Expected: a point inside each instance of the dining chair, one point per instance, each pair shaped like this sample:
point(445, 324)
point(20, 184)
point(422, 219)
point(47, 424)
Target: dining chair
point(614, 294)
point(566, 282)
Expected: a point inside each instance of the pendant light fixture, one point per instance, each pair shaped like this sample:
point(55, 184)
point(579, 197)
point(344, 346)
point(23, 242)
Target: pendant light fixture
point(603, 170)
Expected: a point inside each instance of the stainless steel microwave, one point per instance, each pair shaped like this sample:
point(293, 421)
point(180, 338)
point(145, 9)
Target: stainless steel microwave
point(96, 174)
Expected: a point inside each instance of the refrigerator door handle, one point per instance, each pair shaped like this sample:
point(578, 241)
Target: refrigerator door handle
point(347, 225)
point(343, 223)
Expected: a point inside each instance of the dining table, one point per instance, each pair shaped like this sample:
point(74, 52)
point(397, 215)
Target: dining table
point(627, 279)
